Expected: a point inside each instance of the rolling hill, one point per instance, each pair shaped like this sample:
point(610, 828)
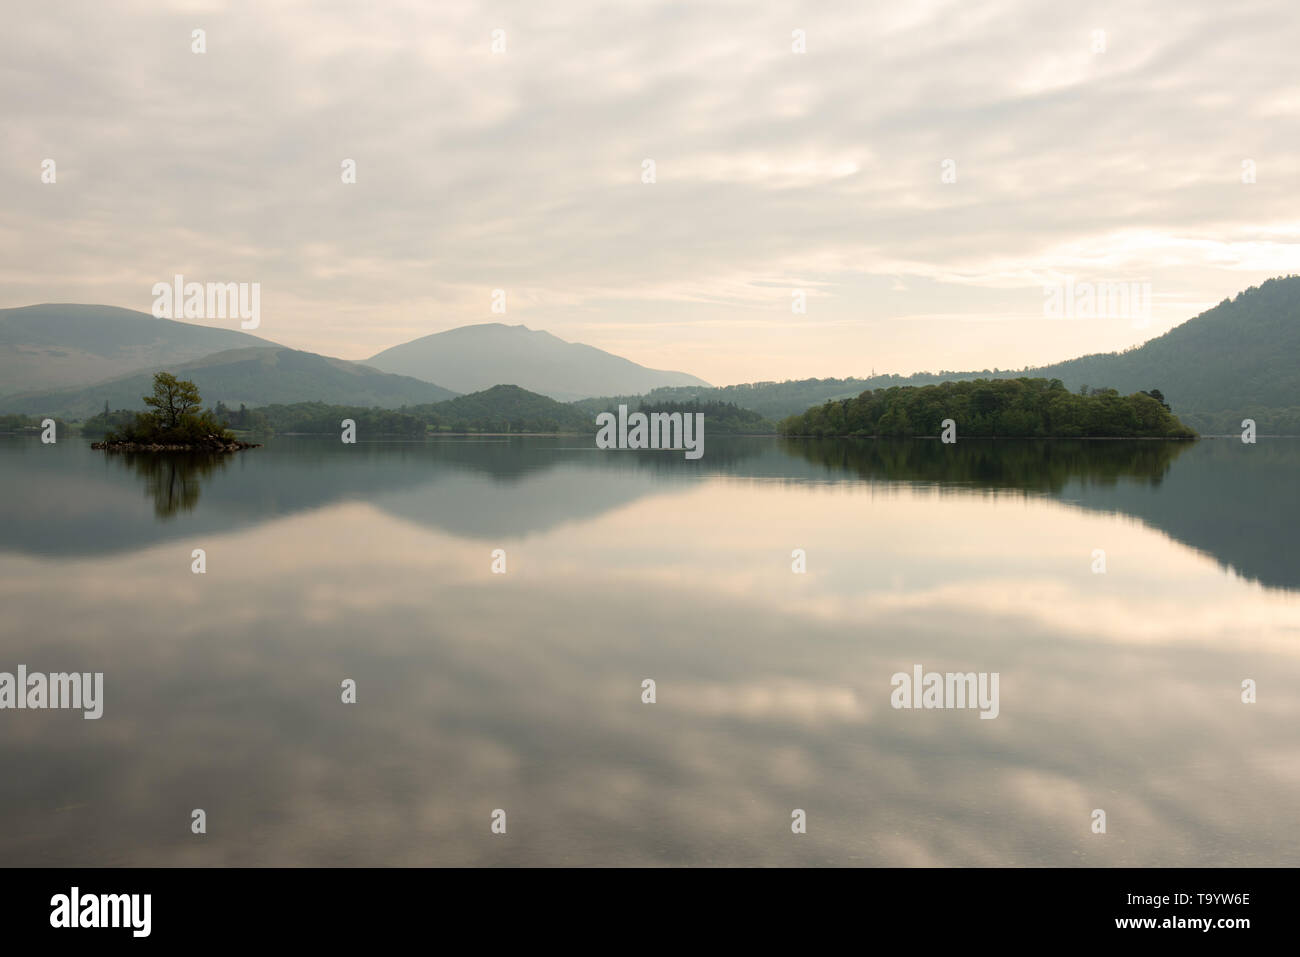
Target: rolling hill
point(509, 408)
point(502, 408)
point(57, 345)
point(473, 358)
point(1240, 359)
point(259, 376)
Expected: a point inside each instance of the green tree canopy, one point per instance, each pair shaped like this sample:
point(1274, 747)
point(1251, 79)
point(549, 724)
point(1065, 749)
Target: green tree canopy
point(999, 407)
point(173, 399)
point(175, 416)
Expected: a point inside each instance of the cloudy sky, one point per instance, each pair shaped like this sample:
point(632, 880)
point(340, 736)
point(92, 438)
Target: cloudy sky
point(775, 170)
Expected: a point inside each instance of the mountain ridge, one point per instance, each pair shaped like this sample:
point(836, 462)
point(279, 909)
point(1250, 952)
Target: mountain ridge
point(1238, 359)
point(477, 356)
point(1235, 360)
point(50, 346)
point(261, 375)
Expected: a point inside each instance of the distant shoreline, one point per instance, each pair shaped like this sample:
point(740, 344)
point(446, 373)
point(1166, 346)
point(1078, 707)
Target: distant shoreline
point(1023, 438)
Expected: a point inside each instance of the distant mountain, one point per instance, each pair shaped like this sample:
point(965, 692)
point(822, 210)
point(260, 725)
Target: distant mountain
point(1239, 359)
point(258, 376)
point(57, 345)
point(472, 358)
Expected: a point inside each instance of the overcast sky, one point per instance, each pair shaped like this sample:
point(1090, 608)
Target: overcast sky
point(775, 170)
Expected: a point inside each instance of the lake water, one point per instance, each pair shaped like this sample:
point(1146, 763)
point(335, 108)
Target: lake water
point(522, 691)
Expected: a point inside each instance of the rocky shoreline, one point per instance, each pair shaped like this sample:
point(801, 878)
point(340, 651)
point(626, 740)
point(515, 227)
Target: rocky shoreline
point(213, 443)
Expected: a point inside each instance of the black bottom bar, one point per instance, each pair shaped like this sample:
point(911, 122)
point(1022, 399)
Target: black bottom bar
point(368, 906)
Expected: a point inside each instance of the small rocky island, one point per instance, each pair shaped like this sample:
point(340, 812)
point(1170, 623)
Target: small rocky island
point(209, 443)
point(175, 422)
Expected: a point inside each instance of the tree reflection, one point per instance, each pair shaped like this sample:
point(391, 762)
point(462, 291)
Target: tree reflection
point(173, 479)
point(1032, 465)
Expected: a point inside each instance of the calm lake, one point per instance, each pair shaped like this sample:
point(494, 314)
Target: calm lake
point(1119, 691)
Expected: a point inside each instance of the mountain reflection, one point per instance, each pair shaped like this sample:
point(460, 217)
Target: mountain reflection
point(1231, 501)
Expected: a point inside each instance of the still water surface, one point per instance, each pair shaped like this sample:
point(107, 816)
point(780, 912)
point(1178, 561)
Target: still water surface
point(477, 691)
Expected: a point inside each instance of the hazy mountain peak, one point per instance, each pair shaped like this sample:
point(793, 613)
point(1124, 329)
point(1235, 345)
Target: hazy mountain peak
point(475, 357)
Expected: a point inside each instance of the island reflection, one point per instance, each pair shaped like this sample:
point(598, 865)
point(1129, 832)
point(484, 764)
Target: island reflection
point(173, 480)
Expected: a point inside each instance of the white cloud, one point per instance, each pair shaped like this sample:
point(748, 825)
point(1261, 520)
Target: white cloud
point(522, 170)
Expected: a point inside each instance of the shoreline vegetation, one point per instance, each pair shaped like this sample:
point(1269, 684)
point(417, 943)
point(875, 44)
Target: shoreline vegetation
point(1023, 408)
point(500, 410)
point(992, 408)
point(175, 422)
point(1219, 368)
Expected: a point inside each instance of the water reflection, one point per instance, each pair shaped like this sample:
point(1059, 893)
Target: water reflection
point(522, 691)
point(172, 480)
point(1233, 502)
point(1046, 466)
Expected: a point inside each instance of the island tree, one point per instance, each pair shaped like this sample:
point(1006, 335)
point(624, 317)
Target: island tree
point(176, 417)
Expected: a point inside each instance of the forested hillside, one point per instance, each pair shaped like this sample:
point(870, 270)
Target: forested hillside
point(998, 407)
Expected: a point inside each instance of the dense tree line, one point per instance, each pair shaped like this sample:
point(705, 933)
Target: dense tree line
point(1268, 421)
point(501, 409)
point(992, 407)
point(504, 408)
point(26, 423)
point(321, 418)
point(771, 400)
point(106, 421)
point(242, 419)
point(720, 418)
